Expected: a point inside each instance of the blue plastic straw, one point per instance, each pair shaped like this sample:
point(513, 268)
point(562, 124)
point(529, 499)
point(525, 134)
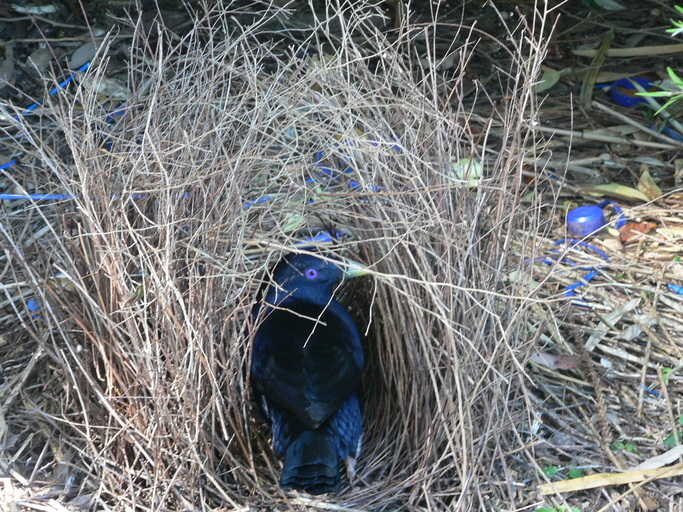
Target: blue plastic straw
point(551, 260)
point(55, 90)
point(35, 197)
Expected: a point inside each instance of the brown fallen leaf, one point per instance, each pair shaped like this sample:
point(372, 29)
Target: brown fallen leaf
point(556, 362)
point(633, 230)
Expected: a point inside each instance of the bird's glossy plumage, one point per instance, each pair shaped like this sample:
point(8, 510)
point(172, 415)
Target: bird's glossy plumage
point(307, 362)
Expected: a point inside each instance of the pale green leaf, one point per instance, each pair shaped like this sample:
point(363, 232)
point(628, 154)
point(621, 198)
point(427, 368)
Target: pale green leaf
point(618, 192)
point(550, 77)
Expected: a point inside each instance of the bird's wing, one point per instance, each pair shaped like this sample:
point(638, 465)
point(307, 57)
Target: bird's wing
point(306, 366)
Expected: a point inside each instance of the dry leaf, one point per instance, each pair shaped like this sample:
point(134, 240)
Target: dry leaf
point(82, 55)
point(671, 232)
point(647, 185)
point(662, 460)
point(556, 362)
point(633, 230)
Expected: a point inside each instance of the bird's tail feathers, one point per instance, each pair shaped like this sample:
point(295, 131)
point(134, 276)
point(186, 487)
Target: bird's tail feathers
point(312, 463)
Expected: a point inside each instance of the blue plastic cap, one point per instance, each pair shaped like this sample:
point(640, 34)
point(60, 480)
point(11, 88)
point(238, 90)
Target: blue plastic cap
point(585, 220)
point(624, 92)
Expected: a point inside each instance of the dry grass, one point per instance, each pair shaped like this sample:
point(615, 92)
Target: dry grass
point(130, 389)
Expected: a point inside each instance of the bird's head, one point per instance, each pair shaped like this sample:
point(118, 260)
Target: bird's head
point(309, 278)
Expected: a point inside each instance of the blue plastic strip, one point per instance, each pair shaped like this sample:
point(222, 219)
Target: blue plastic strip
point(8, 164)
point(55, 90)
point(650, 391)
point(621, 220)
point(675, 288)
point(569, 290)
point(35, 197)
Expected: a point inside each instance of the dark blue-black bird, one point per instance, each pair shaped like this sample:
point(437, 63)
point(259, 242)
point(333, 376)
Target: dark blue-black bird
point(306, 366)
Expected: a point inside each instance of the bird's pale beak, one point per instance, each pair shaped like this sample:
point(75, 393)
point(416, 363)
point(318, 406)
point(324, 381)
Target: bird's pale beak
point(354, 269)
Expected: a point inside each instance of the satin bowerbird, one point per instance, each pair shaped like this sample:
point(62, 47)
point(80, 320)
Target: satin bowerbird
point(306, 366)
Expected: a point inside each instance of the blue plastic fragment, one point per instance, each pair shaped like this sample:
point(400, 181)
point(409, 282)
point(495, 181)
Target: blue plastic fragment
point(32, 305)
point(256, 201)
point(8, 164)
point(322, 237)
point(650, 391)
point(675, 288)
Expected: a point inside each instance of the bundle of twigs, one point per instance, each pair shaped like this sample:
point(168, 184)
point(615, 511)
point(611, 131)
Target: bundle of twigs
point(128, 387)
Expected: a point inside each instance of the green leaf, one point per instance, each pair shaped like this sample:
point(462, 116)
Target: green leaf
point(629, 447)
point(551, 471)
point(596, 64)
point(665, 375)
point(617, 191)
point(549, 78)
point(467, 172)
point(675, 78)
point(655, 94)
point(671, 101)
point(671, 440)
point(575, 472)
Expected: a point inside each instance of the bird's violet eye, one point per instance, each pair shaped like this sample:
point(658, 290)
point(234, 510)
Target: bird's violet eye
point(311, 273)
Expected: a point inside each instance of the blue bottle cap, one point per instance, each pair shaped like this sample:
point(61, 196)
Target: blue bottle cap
point(624, 92)
point(585, 220)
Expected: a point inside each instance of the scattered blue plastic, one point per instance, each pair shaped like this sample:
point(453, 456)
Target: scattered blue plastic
point(555, 258)
point(336, 174)
point(324, 170)
point(33, 306)
point(13, 161)
point(256, 201)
